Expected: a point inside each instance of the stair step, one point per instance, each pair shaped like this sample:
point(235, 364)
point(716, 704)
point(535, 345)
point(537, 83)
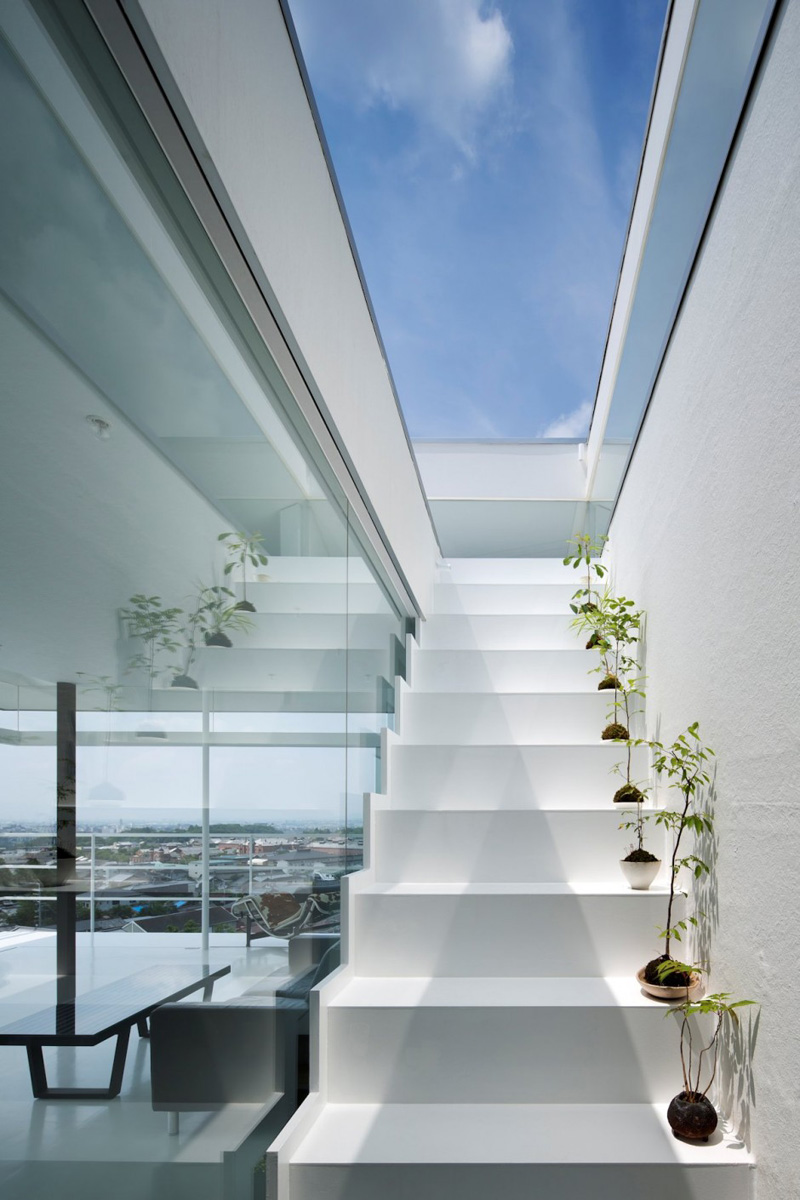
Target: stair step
point(474, 1151)
point(496, 571)
point(506, 599)
point(505, 671)
point(516, 719)
point(493, 632)
point(532, 845)
point(507, 777)
point(505, 929)
point(530, 1040)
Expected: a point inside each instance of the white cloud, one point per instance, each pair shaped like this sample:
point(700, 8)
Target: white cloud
point(570, 425)
point(445, 62)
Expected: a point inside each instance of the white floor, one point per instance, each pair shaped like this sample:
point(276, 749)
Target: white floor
point(96, 1149)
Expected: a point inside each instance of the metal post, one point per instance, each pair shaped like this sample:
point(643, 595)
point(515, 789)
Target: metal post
point(66, 842)
point(250, 866)
point(92, 884)
point(205, 917)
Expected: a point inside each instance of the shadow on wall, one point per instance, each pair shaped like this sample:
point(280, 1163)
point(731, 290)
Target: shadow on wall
point(735, 1085)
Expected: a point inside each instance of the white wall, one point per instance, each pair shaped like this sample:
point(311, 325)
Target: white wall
point(515, 470)
point(706, 539)
point(236, 72)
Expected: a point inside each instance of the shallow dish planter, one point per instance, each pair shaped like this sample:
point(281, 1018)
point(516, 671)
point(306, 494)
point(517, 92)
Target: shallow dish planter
point(640, 872)
point(660, 992)
point(694, 1119)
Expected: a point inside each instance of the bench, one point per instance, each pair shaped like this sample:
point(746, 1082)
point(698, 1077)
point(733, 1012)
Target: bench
point(92, 1017)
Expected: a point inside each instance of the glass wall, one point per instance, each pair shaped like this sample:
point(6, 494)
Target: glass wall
point(175, 547)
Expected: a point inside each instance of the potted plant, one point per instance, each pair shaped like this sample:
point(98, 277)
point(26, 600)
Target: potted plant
point(639, 866)
point(219, 615)
point(691, 1114)
point(243, 548)
point(587, 601)
point(684, 763)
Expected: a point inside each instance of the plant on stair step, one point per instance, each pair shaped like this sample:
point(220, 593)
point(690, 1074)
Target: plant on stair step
point(639, 866)
point(691, 1114)
point(619, 624)
point(218, 616)
point(156, 627)
point(243, 548)
point(192, 628)
point(685, 763)
point(587, 601)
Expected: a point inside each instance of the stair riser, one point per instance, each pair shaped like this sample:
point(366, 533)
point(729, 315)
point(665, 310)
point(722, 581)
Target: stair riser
point(505, 599)
point(513, 1181)
point(497, 847)
point(317, 631)
point(484, 934)
point(499, 1055)
point(277, 597)
point(498, 777)
point(247, 668)
point(465, 720)
point(499, 633)
point(505, 671)
point(499, 571)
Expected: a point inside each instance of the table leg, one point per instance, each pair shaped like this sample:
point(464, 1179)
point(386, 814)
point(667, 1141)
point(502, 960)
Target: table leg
point(39, 1076)
point(208, 989)
point(141, 1025)
point(37, 1070)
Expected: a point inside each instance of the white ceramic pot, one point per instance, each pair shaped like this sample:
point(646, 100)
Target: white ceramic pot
point(640, 874)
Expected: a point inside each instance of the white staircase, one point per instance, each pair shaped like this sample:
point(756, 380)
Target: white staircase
point(486, 1037)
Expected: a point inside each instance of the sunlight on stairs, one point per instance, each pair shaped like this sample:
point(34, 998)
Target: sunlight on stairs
point(487, 1037)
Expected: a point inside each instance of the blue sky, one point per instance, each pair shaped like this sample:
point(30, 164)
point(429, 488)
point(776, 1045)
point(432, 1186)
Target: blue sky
point(487, 154)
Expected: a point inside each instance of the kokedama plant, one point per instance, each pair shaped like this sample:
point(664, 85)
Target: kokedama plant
point(618, 625)
point(684, 763)
point(154, 625)
point(192, 628)
point(691, 1114)
point(587, 601)
point(243, 548)
point(217, 615)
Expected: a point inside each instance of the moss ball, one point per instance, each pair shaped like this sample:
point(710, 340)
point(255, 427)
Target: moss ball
point(610, 683)
point(652, 974)
point(615, 733)
point(628, 794)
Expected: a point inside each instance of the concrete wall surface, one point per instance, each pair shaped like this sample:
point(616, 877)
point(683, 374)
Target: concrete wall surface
point(705, 539)
point(235, 71)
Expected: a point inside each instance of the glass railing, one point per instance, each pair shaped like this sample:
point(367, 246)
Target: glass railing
point(140, 882)
point(152, 435)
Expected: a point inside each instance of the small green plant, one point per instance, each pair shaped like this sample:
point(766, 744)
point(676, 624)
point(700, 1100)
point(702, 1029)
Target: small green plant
point(587, 601)
point(218, 616)
point(191, 630)
point(685, 763)
point(722, 1008)
point(618, 625)
point(154, 625)
point(243, 548)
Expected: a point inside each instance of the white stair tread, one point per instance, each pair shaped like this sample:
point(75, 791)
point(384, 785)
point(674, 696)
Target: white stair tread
point(508, 889)
point(494, 992)
point(506, 1133)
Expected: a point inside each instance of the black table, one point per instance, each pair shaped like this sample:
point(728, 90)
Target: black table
point(95, 1016)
